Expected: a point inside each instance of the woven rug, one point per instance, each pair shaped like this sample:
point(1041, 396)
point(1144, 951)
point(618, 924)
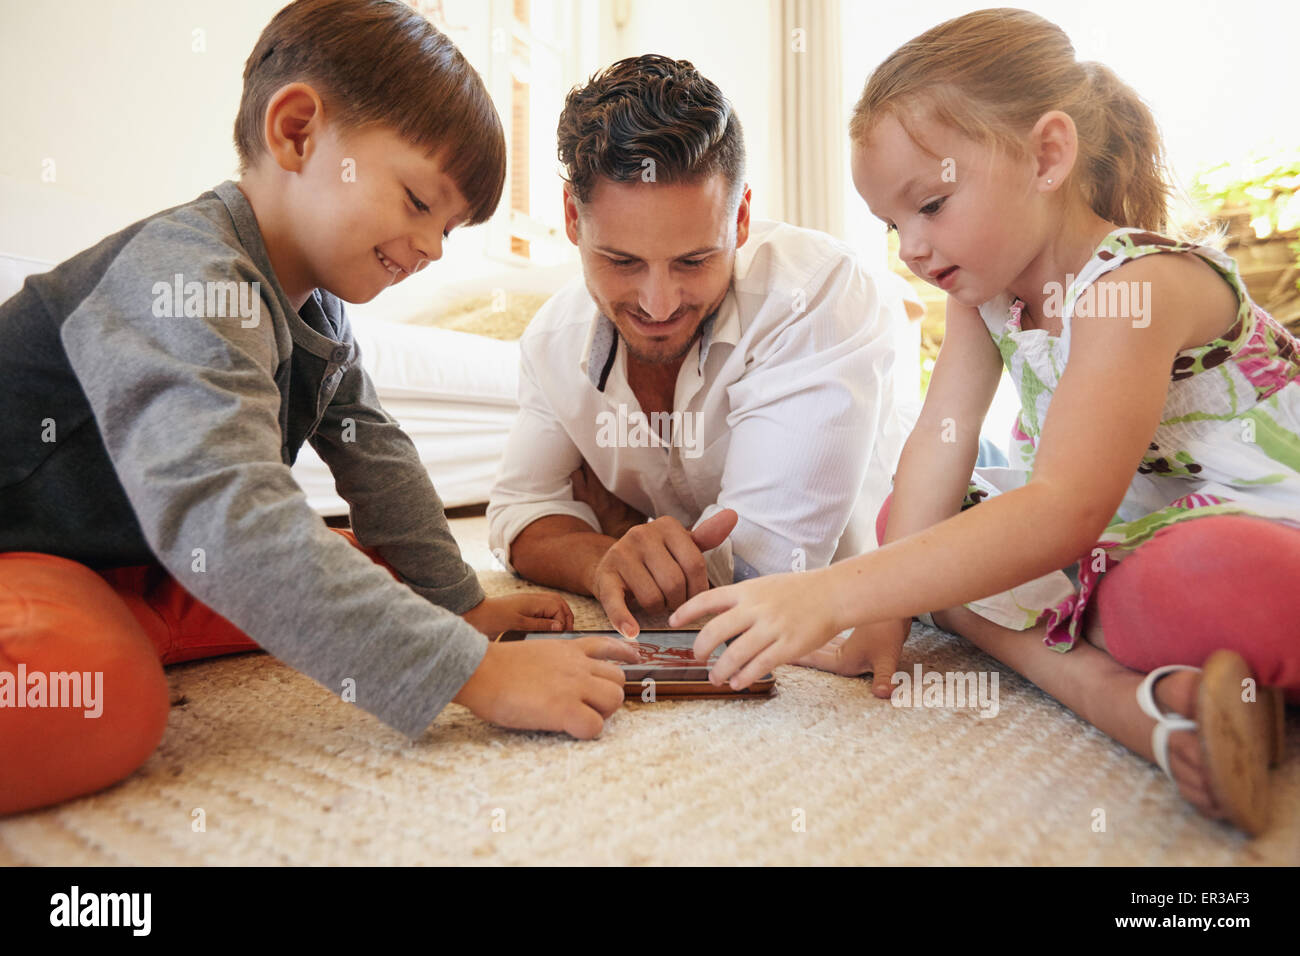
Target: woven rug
point(280, 771)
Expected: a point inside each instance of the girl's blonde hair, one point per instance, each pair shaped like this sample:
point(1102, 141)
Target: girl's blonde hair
point(992, 74)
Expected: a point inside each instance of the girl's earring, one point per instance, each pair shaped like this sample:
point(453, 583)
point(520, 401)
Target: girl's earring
point(1050, 181)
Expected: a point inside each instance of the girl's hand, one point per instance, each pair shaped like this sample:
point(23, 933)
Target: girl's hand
point(774, 620)
point(871, 647)
point(531, 611)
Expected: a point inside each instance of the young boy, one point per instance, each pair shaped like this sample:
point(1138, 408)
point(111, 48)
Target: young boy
point(159, 385)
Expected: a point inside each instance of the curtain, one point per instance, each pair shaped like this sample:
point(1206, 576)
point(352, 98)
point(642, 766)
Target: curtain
point(809, 127)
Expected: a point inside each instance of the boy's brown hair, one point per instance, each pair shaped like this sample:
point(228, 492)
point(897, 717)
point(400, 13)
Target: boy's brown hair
point(380, 62)
point(644, 108)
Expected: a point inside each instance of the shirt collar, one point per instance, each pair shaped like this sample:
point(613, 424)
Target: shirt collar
point(602, 340)
point(598, 356)
point(722, 327)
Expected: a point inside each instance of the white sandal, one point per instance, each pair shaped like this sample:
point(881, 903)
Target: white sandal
point(1239, 739)
point(1166, 723)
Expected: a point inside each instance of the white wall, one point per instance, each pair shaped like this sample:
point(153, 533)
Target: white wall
point(113, 94)
point(134, 112)
point(135, 119)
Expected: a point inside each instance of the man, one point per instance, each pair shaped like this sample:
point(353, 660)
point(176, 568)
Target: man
point(730, 380)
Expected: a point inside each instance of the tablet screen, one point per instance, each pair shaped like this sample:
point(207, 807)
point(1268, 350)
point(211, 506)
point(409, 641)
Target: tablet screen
point(660, 651)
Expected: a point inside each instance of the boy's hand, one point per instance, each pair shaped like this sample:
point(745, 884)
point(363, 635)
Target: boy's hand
point(532, 611)
point(871, 647)
point(549, 685)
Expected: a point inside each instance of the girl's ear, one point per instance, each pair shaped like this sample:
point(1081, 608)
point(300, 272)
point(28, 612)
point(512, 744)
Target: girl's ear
point(1054, 143)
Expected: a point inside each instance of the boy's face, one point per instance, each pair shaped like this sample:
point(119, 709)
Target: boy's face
point(375, 210)
point(657, 258)
point(350, 212)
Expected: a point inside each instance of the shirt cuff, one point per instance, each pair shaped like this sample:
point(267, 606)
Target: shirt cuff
point(457, 598)
point(429, 692)
point(511, 520)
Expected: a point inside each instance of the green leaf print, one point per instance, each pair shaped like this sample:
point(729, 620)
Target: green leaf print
point(1275, 441)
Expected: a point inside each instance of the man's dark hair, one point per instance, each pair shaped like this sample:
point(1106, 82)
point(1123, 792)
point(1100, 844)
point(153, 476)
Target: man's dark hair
point(654, 108)
point(380, 63)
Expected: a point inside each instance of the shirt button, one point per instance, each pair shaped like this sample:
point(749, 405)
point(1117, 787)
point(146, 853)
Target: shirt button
point(339, 354)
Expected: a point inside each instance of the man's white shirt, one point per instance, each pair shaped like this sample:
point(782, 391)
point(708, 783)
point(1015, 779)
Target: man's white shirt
point(784, 411)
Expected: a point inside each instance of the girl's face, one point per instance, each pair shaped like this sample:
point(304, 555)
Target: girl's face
point(965, 217)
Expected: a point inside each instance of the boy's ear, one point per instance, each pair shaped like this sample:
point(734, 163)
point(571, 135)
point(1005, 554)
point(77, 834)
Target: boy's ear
point(570, 215)
point(1055, 145)
point(294, 115)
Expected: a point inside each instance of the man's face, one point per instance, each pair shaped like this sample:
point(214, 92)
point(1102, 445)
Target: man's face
point(365, 198)
point(658, 257)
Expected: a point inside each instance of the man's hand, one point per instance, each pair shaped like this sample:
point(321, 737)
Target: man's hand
point(549, 685)
point(616, 517)
point(532, 611)
point(661, 563)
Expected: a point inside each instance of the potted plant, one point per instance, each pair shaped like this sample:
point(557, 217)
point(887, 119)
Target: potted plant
point(1257, 200)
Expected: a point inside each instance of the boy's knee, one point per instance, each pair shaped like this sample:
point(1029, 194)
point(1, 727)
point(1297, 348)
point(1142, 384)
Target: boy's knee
point(94, 694)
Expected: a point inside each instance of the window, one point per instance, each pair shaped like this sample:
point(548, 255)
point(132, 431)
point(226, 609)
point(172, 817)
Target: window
point(530, 53)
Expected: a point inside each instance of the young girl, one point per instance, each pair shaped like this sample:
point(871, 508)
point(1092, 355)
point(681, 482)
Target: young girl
point(1166, 479)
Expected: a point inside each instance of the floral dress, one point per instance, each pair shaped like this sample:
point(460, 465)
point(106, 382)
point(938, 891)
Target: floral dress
point(1228, 441)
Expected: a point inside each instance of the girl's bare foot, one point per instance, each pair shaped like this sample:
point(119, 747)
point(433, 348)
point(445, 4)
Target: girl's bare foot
point(1177, 692)
point(1220, 767)
point(1103, 692)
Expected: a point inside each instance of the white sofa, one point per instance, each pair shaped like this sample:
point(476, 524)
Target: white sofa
point(455, 394)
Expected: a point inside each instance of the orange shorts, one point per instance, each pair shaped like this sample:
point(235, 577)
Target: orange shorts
point(114, 629)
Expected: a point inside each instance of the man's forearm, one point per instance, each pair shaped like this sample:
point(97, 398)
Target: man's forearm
point(559, 551)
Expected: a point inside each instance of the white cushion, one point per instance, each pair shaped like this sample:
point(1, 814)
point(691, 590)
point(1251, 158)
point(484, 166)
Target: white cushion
point(425, 362)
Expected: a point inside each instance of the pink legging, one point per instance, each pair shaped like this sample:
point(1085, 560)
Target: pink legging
point(1224, 581)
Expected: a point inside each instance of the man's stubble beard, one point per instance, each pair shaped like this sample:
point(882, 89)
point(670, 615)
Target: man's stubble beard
point(656, 359)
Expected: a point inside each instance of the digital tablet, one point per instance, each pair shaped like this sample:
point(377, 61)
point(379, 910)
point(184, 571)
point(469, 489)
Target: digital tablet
point(667, 660)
